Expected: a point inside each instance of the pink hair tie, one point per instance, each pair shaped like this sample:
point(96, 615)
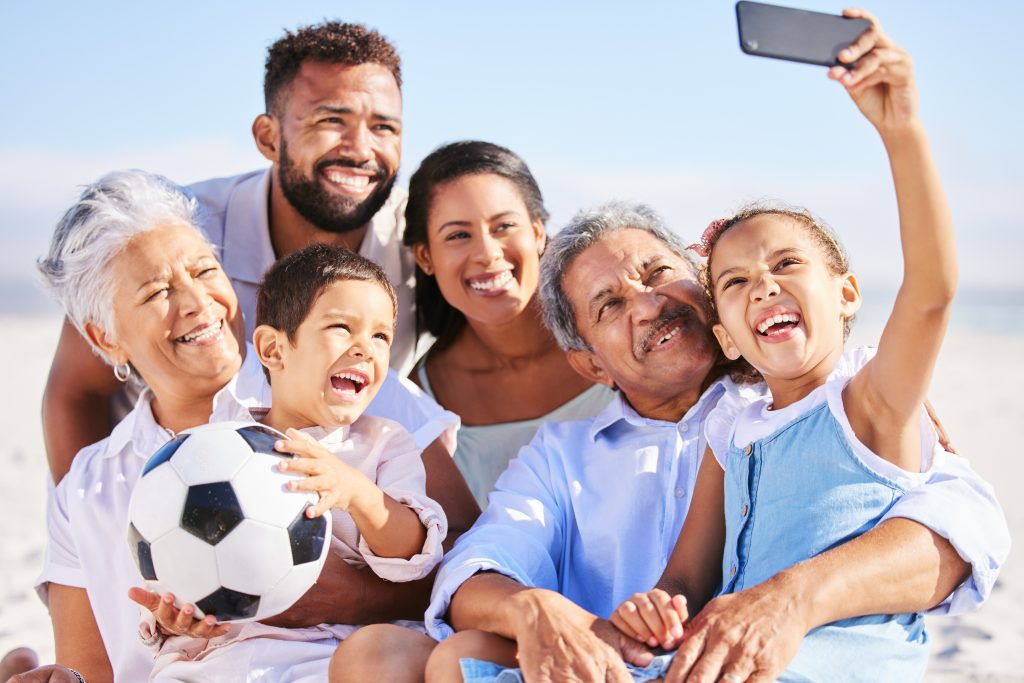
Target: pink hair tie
point(709, 237)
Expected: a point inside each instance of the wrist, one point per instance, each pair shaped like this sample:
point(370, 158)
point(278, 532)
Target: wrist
point(530, 607)
point(803, 594)
point(909, 132)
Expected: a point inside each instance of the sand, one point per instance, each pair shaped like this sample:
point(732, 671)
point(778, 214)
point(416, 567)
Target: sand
point(974, 391)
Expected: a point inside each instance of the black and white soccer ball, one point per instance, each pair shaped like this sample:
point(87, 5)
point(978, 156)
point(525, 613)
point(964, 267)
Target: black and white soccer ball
point(211, 520)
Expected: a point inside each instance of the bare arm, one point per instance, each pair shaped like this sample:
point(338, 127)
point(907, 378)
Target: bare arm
point(883, 401)
point(76, 403)
point(898, 567)
point(75, 633)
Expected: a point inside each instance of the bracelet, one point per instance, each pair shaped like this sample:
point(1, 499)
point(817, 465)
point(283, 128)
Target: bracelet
point(79, 676)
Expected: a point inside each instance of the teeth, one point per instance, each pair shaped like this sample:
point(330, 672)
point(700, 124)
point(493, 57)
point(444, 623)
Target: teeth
point(358, 379)
point(206, 333)
point(671, 334)
point(496, 282)
point(777, 319)
point(355, 181)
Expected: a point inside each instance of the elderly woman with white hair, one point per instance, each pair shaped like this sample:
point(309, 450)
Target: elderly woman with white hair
point(142, 284)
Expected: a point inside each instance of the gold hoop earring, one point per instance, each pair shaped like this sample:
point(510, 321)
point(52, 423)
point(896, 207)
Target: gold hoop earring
point(122, 375)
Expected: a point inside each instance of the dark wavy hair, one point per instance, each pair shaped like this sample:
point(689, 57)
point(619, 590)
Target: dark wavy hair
point(331, 42)
point(445, 164)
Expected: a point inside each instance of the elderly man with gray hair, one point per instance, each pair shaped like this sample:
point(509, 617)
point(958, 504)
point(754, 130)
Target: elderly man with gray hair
point(589, 512)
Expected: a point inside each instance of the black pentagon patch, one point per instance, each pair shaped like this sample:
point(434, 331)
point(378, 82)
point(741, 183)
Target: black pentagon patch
point(307, 537)
point(228, 605)
point(163, 454)
point(141, 552)
point(211, 511)
point(261, 440)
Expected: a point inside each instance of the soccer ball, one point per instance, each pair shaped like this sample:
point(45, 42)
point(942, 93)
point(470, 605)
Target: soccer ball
point(211, 520)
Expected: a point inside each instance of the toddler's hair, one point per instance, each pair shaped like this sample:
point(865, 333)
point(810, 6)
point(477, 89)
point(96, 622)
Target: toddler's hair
point(292, 285)
point(836, 260)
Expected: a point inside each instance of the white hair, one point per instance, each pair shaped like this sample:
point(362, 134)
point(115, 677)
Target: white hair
point(76, 271)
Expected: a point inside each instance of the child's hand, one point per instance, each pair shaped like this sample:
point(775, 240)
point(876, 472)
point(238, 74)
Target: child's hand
point(653, 618)
point(335, 480)
point(177, 622)
point(882, 83)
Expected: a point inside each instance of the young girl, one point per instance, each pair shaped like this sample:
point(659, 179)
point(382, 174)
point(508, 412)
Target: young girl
point(842, 435)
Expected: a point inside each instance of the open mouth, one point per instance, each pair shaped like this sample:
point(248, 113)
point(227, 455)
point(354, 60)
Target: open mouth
point(349, 383)
point(350, 179)
point(202, 333)
point(492, 282)
point(777, 324)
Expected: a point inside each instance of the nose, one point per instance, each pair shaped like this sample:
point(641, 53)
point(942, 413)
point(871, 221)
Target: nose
point(765, 288)
point(488, 249)
point(355, 143)
point(193, 298)
point(361, 348)
point(648, 305)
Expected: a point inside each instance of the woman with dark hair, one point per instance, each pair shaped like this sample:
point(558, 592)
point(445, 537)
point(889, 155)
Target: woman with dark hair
point(475, 221)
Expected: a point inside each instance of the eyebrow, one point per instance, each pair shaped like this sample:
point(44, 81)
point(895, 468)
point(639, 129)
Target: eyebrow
point(462, 224)
point(771, 257)
point(335, 109)
point(607, 290)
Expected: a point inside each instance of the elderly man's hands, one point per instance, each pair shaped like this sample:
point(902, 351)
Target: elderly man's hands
point(747, 636)
point(560, 641)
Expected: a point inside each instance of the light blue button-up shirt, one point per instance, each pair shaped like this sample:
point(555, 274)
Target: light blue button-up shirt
point(593, 508)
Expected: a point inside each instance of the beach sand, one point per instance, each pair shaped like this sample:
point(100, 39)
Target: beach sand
point(974, 392)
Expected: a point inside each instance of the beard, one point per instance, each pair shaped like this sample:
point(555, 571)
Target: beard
point(701, 338)
point(325, 210)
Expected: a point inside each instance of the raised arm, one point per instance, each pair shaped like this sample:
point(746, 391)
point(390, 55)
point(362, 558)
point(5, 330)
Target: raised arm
point(883, 401)
point(76, 403)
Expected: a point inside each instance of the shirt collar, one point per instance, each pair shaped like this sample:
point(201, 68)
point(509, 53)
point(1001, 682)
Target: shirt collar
point(619, 409)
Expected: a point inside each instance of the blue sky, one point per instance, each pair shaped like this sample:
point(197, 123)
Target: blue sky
point(650, 101)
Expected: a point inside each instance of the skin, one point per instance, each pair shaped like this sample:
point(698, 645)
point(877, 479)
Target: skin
point(767, 265)
point(504, 366)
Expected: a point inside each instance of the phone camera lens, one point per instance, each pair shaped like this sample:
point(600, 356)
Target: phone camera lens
point(751, 44)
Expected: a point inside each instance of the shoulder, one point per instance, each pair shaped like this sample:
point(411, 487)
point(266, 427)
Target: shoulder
point(380, 431)
point(214, 197)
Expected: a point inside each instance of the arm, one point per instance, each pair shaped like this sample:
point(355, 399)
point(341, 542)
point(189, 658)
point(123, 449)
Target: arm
point(897, 567)
point(76, 402)
point(883, 401)
point(76, 636)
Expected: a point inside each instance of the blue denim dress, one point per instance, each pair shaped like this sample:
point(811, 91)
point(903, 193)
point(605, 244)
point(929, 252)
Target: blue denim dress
point(795, 494)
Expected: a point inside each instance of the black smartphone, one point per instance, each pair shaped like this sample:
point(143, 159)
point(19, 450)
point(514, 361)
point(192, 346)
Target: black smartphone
point(795, 34)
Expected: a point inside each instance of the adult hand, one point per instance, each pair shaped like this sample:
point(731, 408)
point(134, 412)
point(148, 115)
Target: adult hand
point(560, 641)
point(52, 673)
point(747, 636)
point(339, 582)
point(174, 621)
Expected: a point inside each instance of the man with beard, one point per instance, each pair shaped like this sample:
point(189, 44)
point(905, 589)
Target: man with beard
point(332, 132)
point(590, 511)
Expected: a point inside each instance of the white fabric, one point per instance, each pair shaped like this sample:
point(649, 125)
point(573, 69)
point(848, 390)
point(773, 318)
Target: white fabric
point(946, 496)
point(235, 218)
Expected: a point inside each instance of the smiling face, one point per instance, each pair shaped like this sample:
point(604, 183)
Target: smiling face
point(642, 311)
point(483, 247)
point(778, 303)
point(338, 142)
point(337, 360)
point(176, 315)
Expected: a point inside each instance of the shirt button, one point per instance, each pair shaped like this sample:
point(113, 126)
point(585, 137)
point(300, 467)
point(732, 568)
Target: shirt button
point(744, 511)
point(683, 428)
point(680, 492)
point(749, 449)
point(732, 571)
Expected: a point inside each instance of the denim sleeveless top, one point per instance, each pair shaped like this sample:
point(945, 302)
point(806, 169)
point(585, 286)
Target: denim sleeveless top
point(795, 494)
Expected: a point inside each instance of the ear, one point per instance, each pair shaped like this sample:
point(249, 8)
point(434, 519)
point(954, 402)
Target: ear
point(106, 343)
point(265, 131)
point(540, 235)
point(850, 296)
point(421, 252)
point(725, 341)
point(588, 365)
point(270, 347)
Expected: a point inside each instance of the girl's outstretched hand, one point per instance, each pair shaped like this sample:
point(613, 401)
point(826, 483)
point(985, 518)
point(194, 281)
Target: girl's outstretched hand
point(882, 82)
point(654, 618)
point(177, 622)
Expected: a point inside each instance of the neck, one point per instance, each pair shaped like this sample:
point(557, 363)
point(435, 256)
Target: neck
point(788, 391)
point(289, 231)
point(668, 408)
point(516, 342)
point(179, 412)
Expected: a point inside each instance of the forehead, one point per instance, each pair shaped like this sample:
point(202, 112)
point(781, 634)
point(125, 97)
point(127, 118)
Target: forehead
point(159, 248)
point(321, 83)
point(619, 254)
point(480, 193)
point(364, 298)
point(761, 234)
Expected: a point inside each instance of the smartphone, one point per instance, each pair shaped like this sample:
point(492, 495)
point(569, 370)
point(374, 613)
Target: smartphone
point(795, 34)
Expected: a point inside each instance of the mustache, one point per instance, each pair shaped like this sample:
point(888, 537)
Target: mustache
point(378, 171)
point(687, 314)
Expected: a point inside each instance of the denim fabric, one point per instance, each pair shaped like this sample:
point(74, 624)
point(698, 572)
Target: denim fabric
point(478, 671)
point(793, 495)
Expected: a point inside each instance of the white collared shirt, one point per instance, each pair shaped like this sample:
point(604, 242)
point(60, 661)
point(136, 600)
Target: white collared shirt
point(236, 219)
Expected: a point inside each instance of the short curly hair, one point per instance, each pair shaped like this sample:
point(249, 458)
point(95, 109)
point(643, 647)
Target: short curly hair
point(331, 42)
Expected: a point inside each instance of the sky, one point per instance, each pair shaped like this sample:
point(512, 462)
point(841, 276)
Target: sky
point(650, 101)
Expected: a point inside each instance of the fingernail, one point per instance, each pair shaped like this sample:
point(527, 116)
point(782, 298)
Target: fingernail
point(652, 641)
